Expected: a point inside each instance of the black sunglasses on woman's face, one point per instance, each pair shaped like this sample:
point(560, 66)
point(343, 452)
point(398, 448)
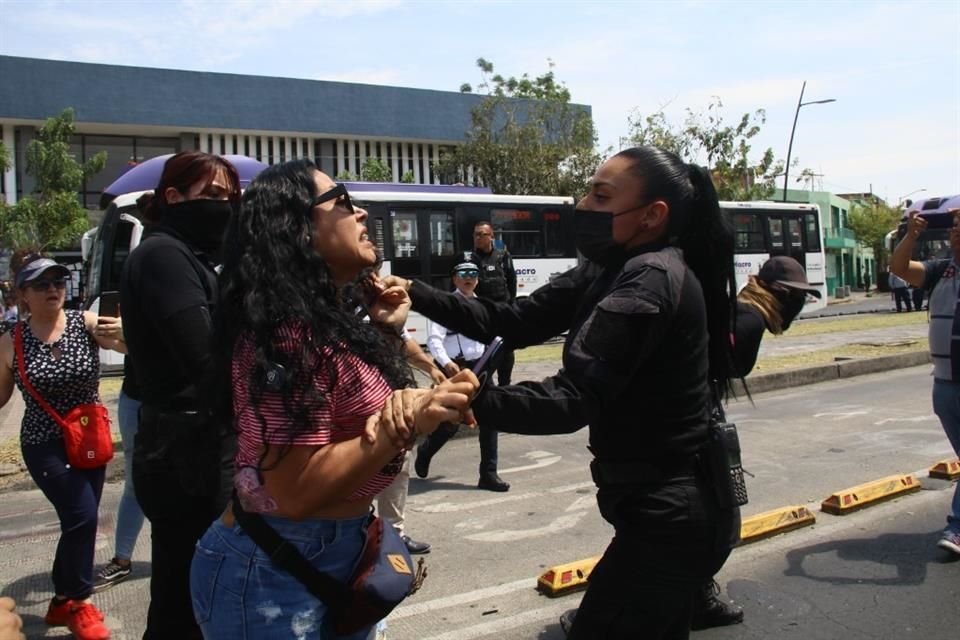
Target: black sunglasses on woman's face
point(46, 283)
point(339, 191)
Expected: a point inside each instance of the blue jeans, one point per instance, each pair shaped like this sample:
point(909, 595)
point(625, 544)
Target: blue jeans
point(75, 494)
point(946, 404)
point(238, 593)
point(129, 514)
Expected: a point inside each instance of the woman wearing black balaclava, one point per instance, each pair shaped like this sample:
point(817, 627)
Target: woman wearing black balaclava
point(167, 293)
point(648, 322)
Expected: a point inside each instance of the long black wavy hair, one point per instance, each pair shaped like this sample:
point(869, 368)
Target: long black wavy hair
point(272, 278)
point(699, 227)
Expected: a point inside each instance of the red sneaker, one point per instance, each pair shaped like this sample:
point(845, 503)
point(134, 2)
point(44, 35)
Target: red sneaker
point(58, 613)
point(86, 622)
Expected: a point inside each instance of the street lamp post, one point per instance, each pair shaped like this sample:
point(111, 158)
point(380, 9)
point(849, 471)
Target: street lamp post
point(800, 103)
point(902, 199)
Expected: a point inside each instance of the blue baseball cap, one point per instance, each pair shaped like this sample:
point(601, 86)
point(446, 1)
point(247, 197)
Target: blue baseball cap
point(36, 268)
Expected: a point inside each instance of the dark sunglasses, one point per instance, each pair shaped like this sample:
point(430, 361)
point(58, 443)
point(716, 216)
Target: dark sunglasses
point(339, 191)
point(44, 284)
point(468, 273)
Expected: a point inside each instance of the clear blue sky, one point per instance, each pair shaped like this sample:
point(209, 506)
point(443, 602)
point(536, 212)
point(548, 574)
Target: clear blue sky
point(893, 67)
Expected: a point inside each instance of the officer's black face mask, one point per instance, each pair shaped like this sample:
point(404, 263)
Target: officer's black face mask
point(200, 222)
point(593, 231)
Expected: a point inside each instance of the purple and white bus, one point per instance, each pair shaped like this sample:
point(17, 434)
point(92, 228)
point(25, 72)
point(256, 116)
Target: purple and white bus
point(422, 230)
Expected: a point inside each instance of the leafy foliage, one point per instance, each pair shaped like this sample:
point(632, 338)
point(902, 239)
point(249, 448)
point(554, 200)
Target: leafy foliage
point(348, 176)
point(525, 138)
point(53, 217)
point(4, 158)
point(871, 222)
point(408, 177)
point(725, 149)
point(375, 170)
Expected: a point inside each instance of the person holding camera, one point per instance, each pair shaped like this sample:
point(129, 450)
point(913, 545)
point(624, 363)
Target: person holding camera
point(942, 278)
point(454, 352)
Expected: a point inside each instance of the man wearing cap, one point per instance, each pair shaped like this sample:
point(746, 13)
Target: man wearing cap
point(941, 278)
point(453, 352)
point(770, 301)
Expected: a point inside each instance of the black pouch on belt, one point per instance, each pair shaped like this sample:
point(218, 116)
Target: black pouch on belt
point(722, 456)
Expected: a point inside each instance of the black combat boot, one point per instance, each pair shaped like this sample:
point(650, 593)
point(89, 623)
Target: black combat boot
point(710, 611)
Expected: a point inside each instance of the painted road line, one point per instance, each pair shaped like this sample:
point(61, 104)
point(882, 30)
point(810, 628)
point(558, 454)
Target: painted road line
point(558, 524)
point(946, 469)
point(417, 608)
point(506, 623)
point(862, 495)
point(541, 459)
point(770, 523)
point(453, 507)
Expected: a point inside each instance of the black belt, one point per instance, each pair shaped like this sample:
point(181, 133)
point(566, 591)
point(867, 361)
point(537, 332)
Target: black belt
point(607, 472)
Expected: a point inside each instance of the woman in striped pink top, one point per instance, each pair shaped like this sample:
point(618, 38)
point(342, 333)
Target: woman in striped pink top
point(318, 397)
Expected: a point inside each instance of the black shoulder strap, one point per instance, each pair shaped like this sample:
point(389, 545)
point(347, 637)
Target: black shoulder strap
point(284, 555)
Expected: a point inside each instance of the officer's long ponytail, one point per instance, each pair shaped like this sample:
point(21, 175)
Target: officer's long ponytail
point(699, 227)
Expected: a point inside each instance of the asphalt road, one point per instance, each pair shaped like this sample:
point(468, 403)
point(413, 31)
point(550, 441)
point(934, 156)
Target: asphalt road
point(872, 574)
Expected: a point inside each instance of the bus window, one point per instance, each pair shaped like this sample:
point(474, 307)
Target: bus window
point(405, 244)
point(441, 234)
point(775, 225)
point(553, 234)
point(749, 233)
point(796, 235)
point(519, 230)
point(812, 232)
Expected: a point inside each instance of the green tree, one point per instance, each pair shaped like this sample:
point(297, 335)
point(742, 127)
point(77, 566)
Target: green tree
point(704, 138)
point(52, 217)
point(375, 170)
point(4, 158)
point(871, 222)
point(349, 176)
point(408, 177)
point(525, 138)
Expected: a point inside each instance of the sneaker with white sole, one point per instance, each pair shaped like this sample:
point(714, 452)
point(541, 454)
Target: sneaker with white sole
point(950, 541)
point(113, 573)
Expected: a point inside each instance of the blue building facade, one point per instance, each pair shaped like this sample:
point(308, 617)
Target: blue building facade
point(135, 113)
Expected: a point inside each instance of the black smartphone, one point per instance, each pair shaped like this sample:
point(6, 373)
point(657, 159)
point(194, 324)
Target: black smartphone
point(110, 304)
point(484, 367)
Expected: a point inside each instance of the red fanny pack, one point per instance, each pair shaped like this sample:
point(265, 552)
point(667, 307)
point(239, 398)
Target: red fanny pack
point(86, 428)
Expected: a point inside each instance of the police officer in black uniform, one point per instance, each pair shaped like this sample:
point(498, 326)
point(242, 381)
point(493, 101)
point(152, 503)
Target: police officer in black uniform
point(648, 320)
point(498, 282)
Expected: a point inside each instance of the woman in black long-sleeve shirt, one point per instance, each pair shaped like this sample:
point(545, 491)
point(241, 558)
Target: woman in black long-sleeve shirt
point(648, 318)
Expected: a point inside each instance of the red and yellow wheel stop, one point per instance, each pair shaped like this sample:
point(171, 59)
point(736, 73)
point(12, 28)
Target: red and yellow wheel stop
point(862, 495)
point(562, 579)
point(946, 470)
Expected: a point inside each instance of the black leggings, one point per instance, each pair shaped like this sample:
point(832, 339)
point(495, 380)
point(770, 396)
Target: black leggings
point(75, 494)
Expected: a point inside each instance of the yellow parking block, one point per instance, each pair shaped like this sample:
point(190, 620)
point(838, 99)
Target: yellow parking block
point(946, 470)
point(769, 523)
point(567, 578)
point(862, 495)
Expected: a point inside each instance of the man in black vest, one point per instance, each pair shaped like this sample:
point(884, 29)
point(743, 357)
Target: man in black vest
point(498, 281)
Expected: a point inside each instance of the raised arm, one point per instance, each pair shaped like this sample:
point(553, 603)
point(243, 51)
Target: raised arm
point(900, 263)
point(546, 313)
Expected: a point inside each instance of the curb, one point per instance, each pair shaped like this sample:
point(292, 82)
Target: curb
point(835, 371)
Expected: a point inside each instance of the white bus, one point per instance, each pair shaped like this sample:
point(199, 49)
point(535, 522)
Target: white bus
point(766, 229)
point(422, 231)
